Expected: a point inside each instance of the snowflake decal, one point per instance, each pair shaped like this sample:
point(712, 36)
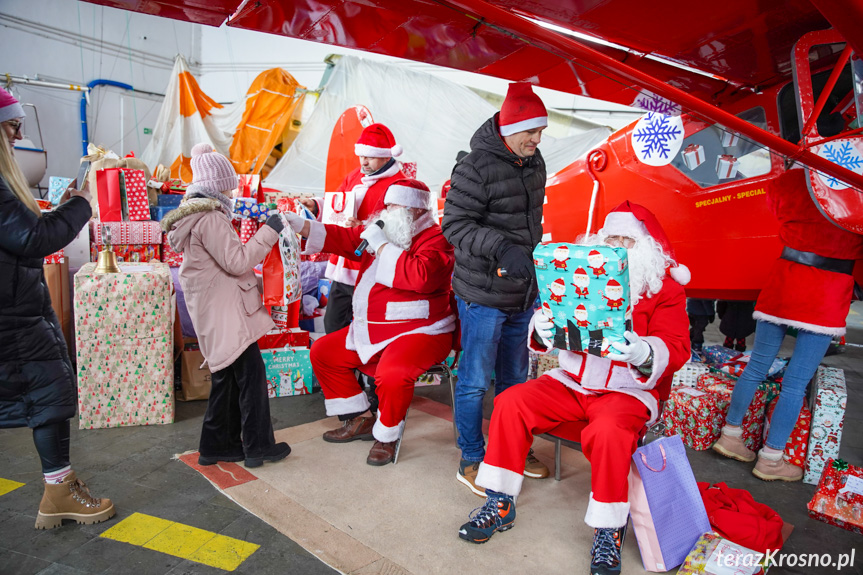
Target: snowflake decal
point(561, 316)
point(845, 155)
point(650, 102)
point(657, 138)
point(592, 307)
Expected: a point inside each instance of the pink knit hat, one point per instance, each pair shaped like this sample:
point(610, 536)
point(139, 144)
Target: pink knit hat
point(211, 171)
point(9, 107)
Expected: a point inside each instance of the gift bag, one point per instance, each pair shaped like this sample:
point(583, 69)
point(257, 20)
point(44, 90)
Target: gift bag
point(667, 511)
point(338, 207)
point(136, 207)
point(109, 194)
point(281, 271)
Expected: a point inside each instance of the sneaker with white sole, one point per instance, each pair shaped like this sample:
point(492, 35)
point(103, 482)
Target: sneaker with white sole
point(467, 471)
point(533, 467)
point(497, 514)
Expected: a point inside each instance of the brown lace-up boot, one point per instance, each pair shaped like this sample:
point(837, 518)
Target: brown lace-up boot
point(351, 430)
point(71, 500)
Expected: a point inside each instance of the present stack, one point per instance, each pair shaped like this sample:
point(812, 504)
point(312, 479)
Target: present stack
point(131, 241)
point(124, 342)
point(839, 497)
point(827, 405)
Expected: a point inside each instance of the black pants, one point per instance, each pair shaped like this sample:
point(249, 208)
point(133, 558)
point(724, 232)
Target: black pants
point(697, 325)
point(340, 313)
point(237, 422)
point(52, 444)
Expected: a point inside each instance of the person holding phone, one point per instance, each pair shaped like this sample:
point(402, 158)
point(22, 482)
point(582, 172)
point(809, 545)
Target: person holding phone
point(37, 382)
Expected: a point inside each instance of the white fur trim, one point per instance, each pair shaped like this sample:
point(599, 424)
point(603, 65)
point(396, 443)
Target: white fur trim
point(499, 479)
point(680, 274)
point(397, 310)
point(316, 239)
point(606, 515)
point(386, 434)
point(524, 125)
point(624, 224)
point(367, 151)
point(388, 261)
point(397, 151)
point(12, 112)
point(834, 331)
point(407, 196)
point(344, 405)
point(762, 454)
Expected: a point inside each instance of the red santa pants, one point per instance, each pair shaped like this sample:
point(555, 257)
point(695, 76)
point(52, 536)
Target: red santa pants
point(395, 368)
point(614, 422)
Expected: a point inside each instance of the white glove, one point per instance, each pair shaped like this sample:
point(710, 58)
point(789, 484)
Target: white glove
point(543, 327)
point(375, 236)
point(635, 353)
point(294, 221)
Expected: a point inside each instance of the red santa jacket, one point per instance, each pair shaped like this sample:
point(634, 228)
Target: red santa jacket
point(662, 322)
point(399, 293)
point(369, 194)
point(799, 295)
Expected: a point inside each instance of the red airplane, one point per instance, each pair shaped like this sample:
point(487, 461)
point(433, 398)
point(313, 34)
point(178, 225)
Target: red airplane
point(738, 94)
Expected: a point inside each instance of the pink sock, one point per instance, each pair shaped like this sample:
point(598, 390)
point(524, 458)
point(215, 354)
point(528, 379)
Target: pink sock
point(57, 476)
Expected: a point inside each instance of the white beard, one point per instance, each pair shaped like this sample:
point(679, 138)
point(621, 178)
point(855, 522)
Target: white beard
point(398, 226)
point(647, 265)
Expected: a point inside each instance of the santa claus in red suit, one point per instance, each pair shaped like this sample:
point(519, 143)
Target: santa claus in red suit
point(612, 399)
point(403, 320)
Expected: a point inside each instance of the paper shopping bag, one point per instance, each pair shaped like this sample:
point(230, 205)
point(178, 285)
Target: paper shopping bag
point(281, 271)
point(667, 510)
point(136, 206)
point(109, 195)
point(338, 207)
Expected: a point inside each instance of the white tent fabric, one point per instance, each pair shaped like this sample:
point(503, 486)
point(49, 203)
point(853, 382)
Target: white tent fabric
point(431, 118)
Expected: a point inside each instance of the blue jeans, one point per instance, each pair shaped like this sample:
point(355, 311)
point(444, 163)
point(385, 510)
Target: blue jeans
point(492, 342)
point(808, 353)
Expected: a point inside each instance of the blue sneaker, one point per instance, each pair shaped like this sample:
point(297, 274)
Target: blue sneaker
point(605, 553)
point(498, 514)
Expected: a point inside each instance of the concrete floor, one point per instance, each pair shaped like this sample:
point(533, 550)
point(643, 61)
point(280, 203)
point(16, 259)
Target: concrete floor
point(134, 467)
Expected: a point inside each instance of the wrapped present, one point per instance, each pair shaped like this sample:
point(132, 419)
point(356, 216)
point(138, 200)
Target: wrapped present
point(753, 420)
point(286, 316)
point(169, 200)
point(715, 382)
point(718, 354)
point(726, 166)
point(57, 187)
point(55, 258)
point(250, 208)
point(158, 212)
point(547, 362)
point(409, 169)
point(730, 139)
point(136, 207)
point(839, 497)
point(169, 256)
point(585, 292)
point(695, 415)
point(688, 374)
point(795, 447)
point(129, 233)
point(714, 554)
point(735, 366)
point(693, 156)
point(248, 228)
point(827, 405)
point(278, 338)
point(124, 343)
point(289, 371)
point(127, 253)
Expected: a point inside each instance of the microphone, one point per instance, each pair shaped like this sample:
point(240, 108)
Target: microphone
point(365, 243)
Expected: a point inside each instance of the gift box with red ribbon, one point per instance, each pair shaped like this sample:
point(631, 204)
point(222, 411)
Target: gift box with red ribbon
point(693, 156)
point(839, 497)
point(730, 139)
point(726, 166)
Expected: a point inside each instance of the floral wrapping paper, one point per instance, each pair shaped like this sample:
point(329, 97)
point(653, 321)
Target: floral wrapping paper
point(169, 256)
point(712, 548)
point(129, 254)
point(127, 233)
point(795, 447)
point(289, 371)
point(124, 346)
point(827, 405)
point(839, 497)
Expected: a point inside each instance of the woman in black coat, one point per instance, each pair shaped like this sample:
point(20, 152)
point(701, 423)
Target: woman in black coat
point(37, 382)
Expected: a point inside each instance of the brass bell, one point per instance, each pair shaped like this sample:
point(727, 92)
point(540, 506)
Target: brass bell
point(107, 263)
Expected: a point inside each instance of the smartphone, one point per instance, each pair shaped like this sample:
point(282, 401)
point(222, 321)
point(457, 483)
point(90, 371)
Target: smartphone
point(83, 171)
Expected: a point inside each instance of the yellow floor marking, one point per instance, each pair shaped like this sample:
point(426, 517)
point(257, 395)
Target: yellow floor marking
point(181, 541)
point(7, 485)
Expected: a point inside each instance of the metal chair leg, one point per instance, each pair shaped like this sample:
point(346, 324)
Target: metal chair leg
point(401, 436)
point(557, 459)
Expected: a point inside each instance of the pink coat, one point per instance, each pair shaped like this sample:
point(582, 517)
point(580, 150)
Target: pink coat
point(221, 290)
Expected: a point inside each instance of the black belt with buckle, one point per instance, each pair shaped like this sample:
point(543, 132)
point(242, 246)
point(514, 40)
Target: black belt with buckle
point(814, 260)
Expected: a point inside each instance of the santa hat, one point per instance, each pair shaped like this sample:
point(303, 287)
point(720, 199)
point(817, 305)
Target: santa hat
point(581, 307)
point(636, 221)
point(559, 282)
point(594, 253)
point(377, 141)
point(580, 272)
point(10, 108)
point(410, 193)
point(522, 110)
point(612, 283)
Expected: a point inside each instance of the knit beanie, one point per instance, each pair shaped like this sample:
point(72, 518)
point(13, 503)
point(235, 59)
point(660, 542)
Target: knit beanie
point(9, 107)
point(213, 176)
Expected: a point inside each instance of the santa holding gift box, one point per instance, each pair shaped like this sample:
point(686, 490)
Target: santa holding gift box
point(615, 396)
point(580, 281)
point(404, 317)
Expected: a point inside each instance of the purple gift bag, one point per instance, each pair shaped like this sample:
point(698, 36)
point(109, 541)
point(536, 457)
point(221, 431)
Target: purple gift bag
point(667, 511)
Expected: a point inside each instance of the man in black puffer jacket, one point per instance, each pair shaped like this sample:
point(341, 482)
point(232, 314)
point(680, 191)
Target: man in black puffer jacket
point(493, 218)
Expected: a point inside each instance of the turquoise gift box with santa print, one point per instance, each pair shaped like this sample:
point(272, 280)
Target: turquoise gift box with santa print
point(584, 290)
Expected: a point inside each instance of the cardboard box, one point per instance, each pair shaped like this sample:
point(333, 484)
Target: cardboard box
point(195, 381)
point(585, 292)
point(289, 371)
